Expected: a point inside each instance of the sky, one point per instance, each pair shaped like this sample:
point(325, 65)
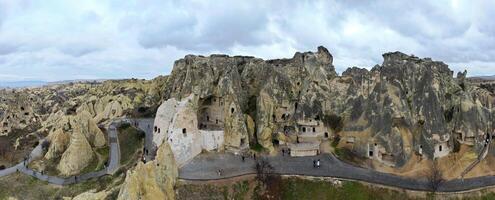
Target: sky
point(66, 40)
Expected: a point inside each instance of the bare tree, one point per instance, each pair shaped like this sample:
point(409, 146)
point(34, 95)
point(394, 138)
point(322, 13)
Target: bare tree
point(434, 176)
point(263, 169)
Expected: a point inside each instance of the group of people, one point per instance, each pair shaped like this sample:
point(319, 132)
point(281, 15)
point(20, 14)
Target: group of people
point(220, 172)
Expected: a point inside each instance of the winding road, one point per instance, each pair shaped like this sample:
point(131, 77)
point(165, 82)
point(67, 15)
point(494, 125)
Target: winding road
point(205, 167)
point(114, 157)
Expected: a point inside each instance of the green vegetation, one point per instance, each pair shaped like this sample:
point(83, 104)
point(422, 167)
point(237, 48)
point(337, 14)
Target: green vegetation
point(335, 141)
point(91, 167)
point(257, 147)
point(51, 167)
point(131, 142)
point(333, 121)
point(103, 156)
point(295, 188)
point(302, 189)
point(22, 186)
point(343, 153)
point(240, 189)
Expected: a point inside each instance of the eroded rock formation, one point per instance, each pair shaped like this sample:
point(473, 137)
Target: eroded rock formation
point(404, 106)
point(153, 180)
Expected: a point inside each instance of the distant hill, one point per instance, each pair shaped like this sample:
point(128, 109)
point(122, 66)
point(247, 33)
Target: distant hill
point(24, 84)
point(482, 78)
point(21, 84)
point(487, 77)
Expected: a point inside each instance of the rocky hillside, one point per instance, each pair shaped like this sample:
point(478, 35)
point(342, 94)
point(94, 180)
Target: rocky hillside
point(69, 115)
point(405, 106)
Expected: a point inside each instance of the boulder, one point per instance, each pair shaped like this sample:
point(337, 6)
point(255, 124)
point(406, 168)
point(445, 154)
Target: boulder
point(77, 156)
point(92, 195)
point(153, 180)
point(59, 141)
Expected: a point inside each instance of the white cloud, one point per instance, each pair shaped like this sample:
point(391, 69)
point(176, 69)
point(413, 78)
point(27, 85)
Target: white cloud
point(56, 40)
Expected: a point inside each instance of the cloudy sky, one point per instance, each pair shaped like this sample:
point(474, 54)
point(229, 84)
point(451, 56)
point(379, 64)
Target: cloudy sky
point(62, 40)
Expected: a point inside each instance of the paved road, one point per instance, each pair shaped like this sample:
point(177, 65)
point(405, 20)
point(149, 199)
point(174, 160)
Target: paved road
point(35, 153)
point(114, 157)
point(113, 139)
point(205, 167)
point(146, 125)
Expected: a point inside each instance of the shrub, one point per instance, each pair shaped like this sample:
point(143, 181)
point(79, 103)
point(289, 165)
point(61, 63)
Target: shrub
point(336, 140)
point(257, 147)
point(334, 122)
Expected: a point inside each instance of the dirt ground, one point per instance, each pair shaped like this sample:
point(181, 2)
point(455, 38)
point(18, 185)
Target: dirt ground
point(452, 165)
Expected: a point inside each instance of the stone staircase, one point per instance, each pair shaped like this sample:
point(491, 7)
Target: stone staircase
point(481, 156)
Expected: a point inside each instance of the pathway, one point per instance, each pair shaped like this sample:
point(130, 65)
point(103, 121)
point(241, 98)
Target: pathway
point(205, 167)
point(114, 157)
point(480, 157)
point(146, 125)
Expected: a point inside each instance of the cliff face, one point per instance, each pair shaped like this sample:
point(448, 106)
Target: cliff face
point(242, 81)
point(406, 105)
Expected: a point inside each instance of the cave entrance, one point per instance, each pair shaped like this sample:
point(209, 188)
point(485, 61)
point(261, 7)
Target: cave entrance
point(210, 113)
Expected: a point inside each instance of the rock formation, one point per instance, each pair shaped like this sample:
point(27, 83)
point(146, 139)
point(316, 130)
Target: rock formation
point(92, 195)
point(77, 156)
point(153, 180)
point(57, 112)
point(406, 105)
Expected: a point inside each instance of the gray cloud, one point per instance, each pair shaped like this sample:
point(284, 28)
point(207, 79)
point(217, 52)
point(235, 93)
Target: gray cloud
point(6, 49)
point(204, 27)
point(54, 40)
